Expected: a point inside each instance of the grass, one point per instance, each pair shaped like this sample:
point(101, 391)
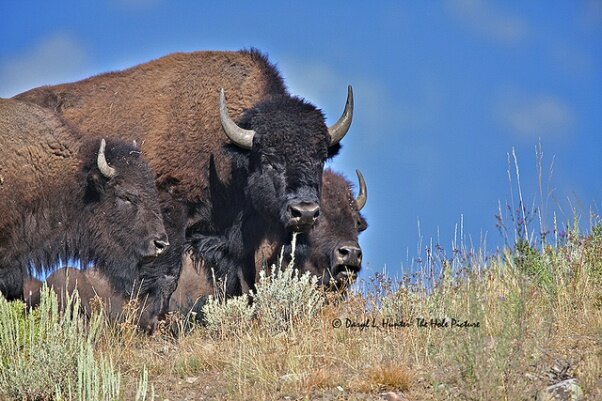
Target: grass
point(493, 328)
point(48, 355)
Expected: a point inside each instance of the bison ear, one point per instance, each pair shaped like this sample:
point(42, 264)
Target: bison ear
point(96, 184)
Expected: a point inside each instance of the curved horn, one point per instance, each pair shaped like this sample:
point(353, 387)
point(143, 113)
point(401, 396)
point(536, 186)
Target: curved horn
point(101, 160)
point(241, 137)
point(362, 196)
point(340, 128)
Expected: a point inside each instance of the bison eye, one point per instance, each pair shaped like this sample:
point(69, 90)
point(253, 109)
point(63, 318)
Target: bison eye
point(125, 199)
point(270, 162)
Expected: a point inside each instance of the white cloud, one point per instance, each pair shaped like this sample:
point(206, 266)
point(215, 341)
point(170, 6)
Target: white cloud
point(534, 115)
point(54, 59)
point(488, 20)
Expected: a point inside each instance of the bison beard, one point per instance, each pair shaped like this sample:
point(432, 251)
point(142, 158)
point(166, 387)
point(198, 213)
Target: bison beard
point(67, 197)
point(269, 170)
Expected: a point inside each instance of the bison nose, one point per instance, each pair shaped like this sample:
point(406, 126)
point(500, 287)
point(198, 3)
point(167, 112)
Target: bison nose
point(161, 245)
point(350, 256)
point(304, 214)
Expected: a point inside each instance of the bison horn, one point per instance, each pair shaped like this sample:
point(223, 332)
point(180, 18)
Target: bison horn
point(241, 137)
point(340, 128)
point(103, 166)
point(362, 197)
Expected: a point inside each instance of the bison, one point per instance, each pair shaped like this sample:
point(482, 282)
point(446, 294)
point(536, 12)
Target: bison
point(66, 196)
point(31, 292)
point(231, 174)
point(334, 255)
point(91, 284)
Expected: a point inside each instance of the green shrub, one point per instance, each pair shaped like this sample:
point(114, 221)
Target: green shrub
point(49, 355)
point(229, 315)
point(283, 298)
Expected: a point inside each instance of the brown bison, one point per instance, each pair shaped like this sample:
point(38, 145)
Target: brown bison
point(335, 254)
point(64, 197)
point(230, 174)
point(90, 283)
point(31, 291)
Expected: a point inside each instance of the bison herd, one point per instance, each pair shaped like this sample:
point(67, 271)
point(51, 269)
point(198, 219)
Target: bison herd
point(170, 178)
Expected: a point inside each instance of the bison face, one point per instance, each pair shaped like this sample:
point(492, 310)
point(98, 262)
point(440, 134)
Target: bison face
point(336, 256)
point(125, 213)
point(286, 162)
point(283, 191)
point(155, 302)
point(288, 142)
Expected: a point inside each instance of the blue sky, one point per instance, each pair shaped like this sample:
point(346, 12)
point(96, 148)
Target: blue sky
point(444, 91)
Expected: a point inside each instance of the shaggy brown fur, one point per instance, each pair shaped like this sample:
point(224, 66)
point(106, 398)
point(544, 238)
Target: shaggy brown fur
point(57, 205)
point(90, 284)
point(170, 107)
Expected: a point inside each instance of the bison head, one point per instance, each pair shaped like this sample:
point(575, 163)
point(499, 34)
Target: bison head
point(335, 255)
point(288, 142)
point(123, 205)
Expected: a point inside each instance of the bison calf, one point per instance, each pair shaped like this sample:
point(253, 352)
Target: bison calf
point(90, 284)
point(64, 196)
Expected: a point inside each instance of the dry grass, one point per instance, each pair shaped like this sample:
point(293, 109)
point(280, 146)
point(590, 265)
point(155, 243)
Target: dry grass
point(539, 315)
point(388, 376)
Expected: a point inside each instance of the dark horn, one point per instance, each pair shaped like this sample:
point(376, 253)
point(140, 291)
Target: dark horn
point(362, 196)
point(340, 128)
point(101, 160)
point(241, 137)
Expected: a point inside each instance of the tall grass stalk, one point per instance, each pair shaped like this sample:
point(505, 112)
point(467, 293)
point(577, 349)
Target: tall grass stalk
point(48, 354)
